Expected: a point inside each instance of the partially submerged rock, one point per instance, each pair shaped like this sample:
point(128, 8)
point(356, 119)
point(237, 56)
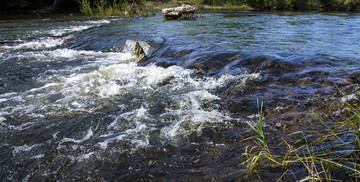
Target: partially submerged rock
point(139, 49)
point(182, 12)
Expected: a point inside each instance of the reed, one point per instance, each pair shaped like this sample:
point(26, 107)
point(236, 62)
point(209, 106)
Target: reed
point(255, 154)
point(321, 153)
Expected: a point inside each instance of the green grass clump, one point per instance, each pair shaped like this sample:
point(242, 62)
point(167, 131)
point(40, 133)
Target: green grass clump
point(320, 153)
point(260, 150)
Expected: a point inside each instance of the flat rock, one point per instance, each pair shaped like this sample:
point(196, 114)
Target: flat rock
point(181, 12)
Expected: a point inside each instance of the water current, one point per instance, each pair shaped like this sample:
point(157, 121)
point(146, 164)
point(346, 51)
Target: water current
point(75, 104)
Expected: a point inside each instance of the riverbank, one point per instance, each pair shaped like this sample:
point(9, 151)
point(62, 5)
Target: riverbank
point(149, 7)
point(71, 6)
point(145, 9)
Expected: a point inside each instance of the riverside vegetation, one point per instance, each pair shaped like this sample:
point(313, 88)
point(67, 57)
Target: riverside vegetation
point(117, 7)
point(96, 8)
point(101, 8)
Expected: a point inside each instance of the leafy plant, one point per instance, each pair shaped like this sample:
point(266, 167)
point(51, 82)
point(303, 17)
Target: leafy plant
point(106, 8)
point(85, 7)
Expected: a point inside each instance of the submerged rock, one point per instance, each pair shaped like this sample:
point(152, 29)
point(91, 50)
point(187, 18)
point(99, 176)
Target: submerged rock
point(178, 13)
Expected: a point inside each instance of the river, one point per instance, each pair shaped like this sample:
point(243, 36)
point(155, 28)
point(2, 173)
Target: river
point(75, 107)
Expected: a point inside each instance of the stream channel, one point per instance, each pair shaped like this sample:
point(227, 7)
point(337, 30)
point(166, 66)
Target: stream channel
point(74, 106)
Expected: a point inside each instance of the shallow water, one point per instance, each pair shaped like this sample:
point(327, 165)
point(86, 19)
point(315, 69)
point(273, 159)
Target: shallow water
point(74, 105)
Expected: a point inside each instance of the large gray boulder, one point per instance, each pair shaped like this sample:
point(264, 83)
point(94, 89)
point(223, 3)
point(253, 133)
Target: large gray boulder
point(181, 12)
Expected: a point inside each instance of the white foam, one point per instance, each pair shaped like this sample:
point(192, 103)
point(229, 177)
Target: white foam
point(98, 22)
point(55, 135)
point(37, 156)
point(103, 145)
point(23, 148)
point(88, 135)
point(2, 119)
point(68, 53)
point(140, 127)
point(70, 29)
point(22, 126)
point(195, 98)
point(349, 97)
point(36, 44)
point(106, 79)
point(96, 58)
point(74, 26)
point(8, 94)
point(85, 156)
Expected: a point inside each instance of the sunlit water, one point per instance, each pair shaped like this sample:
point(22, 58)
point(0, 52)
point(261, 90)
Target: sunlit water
point(75, 106)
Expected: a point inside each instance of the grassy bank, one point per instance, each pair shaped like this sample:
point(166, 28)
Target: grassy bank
point(146, 5)
point(102, 8)
point(126, 7)
point(106, 8)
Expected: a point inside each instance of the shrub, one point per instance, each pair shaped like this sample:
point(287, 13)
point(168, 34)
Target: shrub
point(102, 8)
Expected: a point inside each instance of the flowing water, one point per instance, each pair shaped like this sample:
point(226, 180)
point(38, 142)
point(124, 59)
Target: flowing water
point(75, 104)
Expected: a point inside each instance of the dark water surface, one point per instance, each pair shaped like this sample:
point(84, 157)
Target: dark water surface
point(73, 105)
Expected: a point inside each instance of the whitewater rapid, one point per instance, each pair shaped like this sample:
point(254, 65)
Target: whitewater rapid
point(149, 103)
